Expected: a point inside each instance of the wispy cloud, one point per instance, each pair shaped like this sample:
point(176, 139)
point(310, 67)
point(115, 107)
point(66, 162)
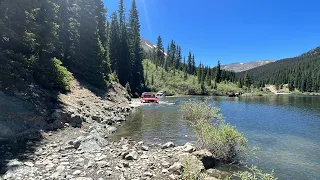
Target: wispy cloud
point(146, 15)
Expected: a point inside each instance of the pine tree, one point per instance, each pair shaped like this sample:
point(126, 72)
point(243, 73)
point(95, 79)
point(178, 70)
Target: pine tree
point(178, 58)
point(199, 73)
point(114, 43)
point(135, 49)
point(215, 85)
point(208, 80)
point(103, 36)
point(185, 77)
point(193, 65)
point(91, 59)
point(124, 66)
point(218, 73)
point(247, 81)
point(152, 79)
point(160, 53)
point(291, 84)
point(190, 69)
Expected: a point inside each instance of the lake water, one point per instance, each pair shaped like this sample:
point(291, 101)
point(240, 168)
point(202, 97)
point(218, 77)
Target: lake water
point(285, 128)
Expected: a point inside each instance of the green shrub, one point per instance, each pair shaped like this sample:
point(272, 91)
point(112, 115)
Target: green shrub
point(52, 75)
point(63, 76)
point(252, 173)
point(223, 140)
point(188, 172)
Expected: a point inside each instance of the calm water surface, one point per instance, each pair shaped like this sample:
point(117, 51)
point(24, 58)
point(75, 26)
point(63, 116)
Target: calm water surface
point(285, 128)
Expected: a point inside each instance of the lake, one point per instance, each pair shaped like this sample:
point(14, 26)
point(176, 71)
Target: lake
point(285, 128)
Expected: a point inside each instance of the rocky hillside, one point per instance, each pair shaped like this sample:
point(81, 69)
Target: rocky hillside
point(239, 67)
point(146, 44)
point(33, 108)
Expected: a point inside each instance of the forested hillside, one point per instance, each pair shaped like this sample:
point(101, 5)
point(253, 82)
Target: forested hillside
point(49, 41)
point(181, 77)
point(177, 82)
point(301, 72)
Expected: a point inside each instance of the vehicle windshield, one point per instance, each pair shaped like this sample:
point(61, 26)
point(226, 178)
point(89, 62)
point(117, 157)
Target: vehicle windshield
point(148, 96)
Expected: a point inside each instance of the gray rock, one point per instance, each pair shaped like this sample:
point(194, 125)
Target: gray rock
point(188, 147)
point(83, 178)
point(111, 129)
point(168, 145)
point(176, 167)
point(148, 174)
point(133, 155)
point(125, 164)
point(28, 163)
point(80, 162)
point(100, 157)
point(103, 164)
point(76, 172)
point(202, 153)
point(144, 157)
point(144, 148)
point(70, 142)
point(60, 168)
point(108, 172)
point(164, 171)
point(173, 176)
point(165, 164)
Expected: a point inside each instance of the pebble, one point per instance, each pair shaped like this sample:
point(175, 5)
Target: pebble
point(28, 163)
point(168, 145)
point(76, 172)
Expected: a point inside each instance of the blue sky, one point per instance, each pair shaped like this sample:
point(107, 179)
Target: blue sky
point(231, 30)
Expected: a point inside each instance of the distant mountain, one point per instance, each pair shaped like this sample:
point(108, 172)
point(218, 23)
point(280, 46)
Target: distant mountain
point(301, 72)
point(147, 45)
point(239, 67)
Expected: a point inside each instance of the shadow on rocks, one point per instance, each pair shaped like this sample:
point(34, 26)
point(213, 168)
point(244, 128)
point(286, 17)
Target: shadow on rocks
point(15, 152)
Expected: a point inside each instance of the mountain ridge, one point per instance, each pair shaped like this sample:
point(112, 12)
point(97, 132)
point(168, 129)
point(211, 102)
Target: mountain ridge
point(239, 67)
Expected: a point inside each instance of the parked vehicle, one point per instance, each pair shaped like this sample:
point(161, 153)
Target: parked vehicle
point(148, 97)
point(161, 94)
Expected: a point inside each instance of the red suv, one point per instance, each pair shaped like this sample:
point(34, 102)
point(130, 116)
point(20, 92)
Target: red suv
point(147, 97)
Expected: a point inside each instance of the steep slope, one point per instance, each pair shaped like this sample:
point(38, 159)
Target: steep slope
point(146, 44)
point(239, 67)
point(301, 72)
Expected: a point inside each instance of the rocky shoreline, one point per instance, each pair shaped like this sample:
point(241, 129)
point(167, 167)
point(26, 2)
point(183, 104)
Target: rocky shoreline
point(86, 154)
point(75, 144)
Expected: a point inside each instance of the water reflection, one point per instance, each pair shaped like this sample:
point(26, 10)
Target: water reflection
point(285, 128)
